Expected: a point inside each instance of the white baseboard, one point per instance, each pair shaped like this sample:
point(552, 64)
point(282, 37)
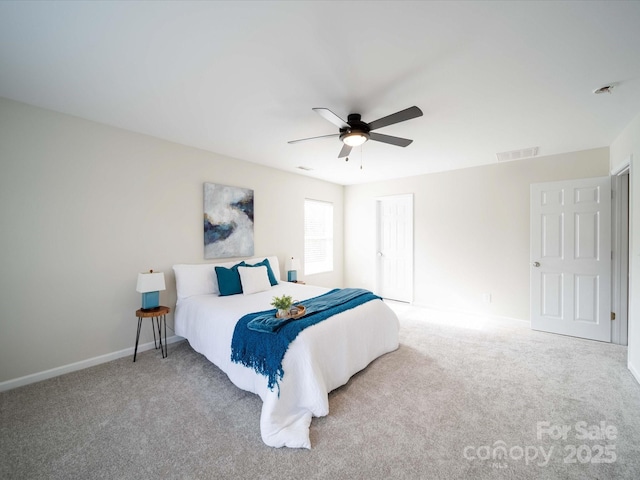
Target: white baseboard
point(72, 367)
point(454, 311)
point(634, 372)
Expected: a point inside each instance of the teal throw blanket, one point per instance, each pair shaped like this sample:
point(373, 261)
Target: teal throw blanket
point(260, 340)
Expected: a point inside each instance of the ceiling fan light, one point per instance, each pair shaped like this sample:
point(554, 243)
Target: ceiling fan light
point(355, 139)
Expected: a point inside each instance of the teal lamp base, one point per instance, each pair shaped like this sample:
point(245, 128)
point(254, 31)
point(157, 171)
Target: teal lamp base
point(292, 276)
point(150, 300)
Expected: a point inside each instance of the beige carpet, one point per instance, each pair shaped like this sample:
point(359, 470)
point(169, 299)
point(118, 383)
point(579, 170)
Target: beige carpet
point(461, 398)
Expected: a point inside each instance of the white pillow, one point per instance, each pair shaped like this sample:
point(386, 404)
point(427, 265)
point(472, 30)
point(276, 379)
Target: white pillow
point(273, 261)
point(195, 280)
point(254, 279)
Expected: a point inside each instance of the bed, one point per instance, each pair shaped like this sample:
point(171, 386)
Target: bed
point(320, 359)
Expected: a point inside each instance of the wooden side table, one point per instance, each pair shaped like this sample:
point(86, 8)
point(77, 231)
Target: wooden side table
point(160, 315)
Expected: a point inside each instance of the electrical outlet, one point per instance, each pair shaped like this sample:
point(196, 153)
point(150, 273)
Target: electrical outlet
point(486, 297)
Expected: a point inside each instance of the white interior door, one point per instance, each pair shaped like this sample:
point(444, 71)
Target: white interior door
point(571, 258)
point(394, 264)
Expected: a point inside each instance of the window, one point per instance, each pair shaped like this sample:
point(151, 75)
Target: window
point(318, 237)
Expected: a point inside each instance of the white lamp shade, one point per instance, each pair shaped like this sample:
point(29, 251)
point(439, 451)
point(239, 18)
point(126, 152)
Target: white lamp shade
point(150, 282)
point(293, 264)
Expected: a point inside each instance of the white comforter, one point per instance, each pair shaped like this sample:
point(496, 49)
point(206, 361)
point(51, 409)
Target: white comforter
point(322, 357)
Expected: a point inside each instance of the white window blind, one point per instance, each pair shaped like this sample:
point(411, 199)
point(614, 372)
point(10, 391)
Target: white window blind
point(318, 237)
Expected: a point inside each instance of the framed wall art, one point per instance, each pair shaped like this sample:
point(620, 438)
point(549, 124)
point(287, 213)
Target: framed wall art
point(228, 221)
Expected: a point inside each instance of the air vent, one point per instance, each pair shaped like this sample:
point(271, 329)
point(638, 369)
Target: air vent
point(517, 154)
point(306, 169)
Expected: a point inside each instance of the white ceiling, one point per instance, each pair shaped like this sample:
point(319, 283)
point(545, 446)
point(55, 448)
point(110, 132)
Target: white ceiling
point(240, 78)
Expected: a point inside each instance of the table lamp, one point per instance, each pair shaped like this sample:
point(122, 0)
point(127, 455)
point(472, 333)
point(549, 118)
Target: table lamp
point(292, 266)
point(150, 284)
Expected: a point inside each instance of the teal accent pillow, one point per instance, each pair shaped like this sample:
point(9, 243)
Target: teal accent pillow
point(229, 279)
point(265, 262)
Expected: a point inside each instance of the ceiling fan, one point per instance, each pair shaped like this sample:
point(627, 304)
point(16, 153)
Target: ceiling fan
point(354, 132)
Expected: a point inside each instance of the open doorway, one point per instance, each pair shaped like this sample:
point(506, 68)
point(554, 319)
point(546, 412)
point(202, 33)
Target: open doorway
point(620, 259)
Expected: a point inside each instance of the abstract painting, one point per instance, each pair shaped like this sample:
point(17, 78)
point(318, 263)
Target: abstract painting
point(228, 221)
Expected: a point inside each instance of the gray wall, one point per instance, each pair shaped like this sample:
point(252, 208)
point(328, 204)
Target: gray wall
point(84, 207)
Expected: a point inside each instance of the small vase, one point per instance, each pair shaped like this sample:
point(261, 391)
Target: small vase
point(282, 313)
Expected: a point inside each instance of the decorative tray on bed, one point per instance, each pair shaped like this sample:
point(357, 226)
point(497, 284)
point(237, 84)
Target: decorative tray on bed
point(295, 312)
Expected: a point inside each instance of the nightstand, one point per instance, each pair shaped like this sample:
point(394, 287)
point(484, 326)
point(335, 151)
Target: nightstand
point(160, 315)
point(300, 282)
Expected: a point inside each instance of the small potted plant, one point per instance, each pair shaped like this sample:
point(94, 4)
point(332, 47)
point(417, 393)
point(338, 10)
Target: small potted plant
point(283, 304)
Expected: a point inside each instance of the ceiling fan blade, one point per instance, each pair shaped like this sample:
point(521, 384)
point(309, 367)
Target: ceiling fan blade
point(332, 117)
point(346, 150)
point(401, 116)
point(314, 138)
point(400, 142)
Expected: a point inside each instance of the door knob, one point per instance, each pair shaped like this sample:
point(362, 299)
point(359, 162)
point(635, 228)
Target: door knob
point(380, 254)
point(536, 264)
